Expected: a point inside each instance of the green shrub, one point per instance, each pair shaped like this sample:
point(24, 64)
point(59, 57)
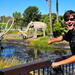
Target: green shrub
point(5, 63)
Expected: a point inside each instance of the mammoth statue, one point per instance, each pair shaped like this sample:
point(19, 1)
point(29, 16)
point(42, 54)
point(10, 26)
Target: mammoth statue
point(37, 26)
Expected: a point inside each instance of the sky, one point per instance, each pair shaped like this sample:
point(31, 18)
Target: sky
point(7, 7)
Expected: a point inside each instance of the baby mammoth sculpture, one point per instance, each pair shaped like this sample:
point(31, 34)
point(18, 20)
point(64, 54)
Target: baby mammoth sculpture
point(37, 26)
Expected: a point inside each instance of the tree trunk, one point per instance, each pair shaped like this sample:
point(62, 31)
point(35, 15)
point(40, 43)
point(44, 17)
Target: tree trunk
point(50, 12)
point(57, 9)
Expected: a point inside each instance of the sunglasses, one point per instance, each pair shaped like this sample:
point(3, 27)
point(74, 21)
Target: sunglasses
point(72, 19)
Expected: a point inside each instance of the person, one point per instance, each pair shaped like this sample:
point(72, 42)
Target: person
point(69, 36)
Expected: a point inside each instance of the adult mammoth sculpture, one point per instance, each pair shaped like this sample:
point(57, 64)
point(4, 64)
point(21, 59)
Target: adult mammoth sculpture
point(37, 25)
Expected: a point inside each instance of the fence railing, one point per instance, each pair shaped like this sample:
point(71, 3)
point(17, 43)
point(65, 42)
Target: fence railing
point(40, 67)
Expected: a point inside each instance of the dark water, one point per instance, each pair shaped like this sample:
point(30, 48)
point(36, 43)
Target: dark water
point(27, 53)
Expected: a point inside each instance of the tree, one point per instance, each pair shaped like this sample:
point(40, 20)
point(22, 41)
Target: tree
point(32, 13)
point(50, 15)
point(45, 18)
point(17, 18)
point(59, 27)
point(4, 19)
point(57, 9)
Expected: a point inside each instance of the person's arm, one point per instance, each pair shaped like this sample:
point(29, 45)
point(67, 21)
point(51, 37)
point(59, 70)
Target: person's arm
point(58, 39)
point(63, 62)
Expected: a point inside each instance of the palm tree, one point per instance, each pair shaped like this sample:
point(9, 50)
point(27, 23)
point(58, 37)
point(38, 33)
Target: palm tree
point(57, 9)
point(50, 12)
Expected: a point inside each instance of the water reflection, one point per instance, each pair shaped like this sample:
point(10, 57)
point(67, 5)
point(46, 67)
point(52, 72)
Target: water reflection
point(29, 54)
point(7, 51)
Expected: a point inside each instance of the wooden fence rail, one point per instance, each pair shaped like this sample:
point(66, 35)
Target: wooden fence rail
point(42, 66)
point(24, 69)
